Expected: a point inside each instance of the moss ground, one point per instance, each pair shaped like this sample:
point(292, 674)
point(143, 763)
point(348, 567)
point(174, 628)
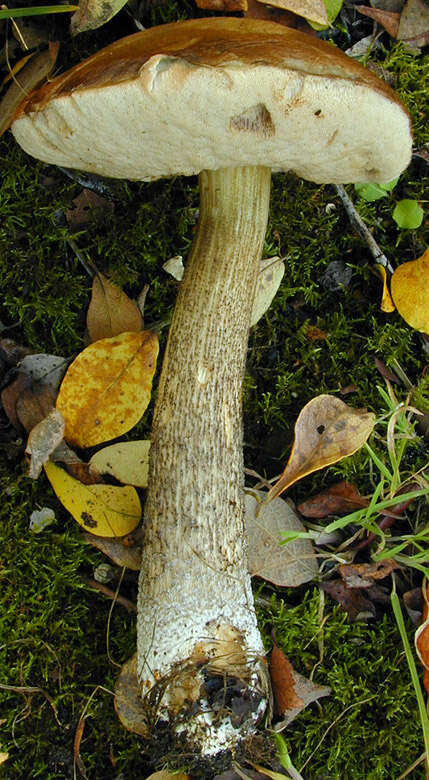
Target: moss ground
point(53, 627)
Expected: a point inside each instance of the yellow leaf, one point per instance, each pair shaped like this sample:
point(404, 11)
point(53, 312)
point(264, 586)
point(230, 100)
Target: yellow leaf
point(326, 431)
point(314, 10)
point(111, 311)
point(103, 510)
point(387, 304)
point(163, 775)
point(107, 388)
point(409, 286)
point(128, 461)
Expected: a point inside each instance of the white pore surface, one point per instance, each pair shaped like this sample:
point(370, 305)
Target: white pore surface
point(178, 118)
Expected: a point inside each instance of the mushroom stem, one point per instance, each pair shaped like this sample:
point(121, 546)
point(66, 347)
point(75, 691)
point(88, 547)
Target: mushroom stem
point(196, 618)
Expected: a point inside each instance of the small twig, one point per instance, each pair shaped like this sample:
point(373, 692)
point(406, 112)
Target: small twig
point(129, 605)
point(362, 229)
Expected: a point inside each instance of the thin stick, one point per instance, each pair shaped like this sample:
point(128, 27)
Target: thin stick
point(362, 229)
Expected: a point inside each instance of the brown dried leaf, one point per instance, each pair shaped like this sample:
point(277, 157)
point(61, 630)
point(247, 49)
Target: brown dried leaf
point(326, 431)
point(128, 702)
point(111, 311)
point(257, 10)
point(163, 775)
point(313, 10)
point(286, 565)
point(422, 636)
point(409, 285)
point(107, 388)
point(92, 14)
point(387, 19)
point(292, 692)
point(229, 6)
point(34, 72)
point(43, 440)
point(313, 333)
point(363, 575)
point(341, 498)
point(88, 207)
point(117, 551)
point(351, 600)
point(414, 23)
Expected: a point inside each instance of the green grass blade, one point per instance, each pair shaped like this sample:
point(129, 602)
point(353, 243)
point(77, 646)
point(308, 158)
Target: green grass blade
point(16, 13)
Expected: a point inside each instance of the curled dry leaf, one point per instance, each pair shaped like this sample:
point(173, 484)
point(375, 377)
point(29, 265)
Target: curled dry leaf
point(341, 498)
point(271, 273)
point(92, 14)
point(128, 701)
point(46, 369)
point(42, 441)
point(409, 286)
point(111, 311)
point(292, 692)
point(117, 551)
point(387, 19)
point(104, 510)
point(127, 461)
point(89, 207)
point(386, 304)
point(351, 600)
point(287, 565)
point(107, 388)
point(326, 431)
point(422, 636)
point(313, 10)
point(30, 76)
point(363, 575)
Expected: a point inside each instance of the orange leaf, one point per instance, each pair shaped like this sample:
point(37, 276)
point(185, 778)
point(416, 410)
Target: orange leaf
point(111, 311)
point(107, 388)
point(409, 287)
point(326, 431)
point(388, 19)
point(386, 304)
point(343, 497)
point(292, 691)
point(422, 636)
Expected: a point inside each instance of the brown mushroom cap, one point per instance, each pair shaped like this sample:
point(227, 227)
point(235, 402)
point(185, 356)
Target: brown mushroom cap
point(213, 93)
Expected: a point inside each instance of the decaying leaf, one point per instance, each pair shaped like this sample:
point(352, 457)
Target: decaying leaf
point(120, 553)
point(127, 461)
point(89, 207)
point(313, 10)
point(103, 510)
point(174, 266)
point(46, 369)
point(341, 498)
point(414, 23)
point(26, 402)
point(43, 440)
point(228, 6)
point(388, 19)
point(351, 600)
point(271, 273)
point(326, 431)
point(107, 388)
point(386, 304)
point(128, 702)
point(111, 311)
point(30, 76)
point(363, 575)
point(287, 565)
point(409, 286)
point(292, 692)
point(92, 14)
point(422, 636)
point(164, 775)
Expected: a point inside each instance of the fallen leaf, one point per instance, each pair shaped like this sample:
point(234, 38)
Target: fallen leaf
point(287, 565)
point(313, 10)
point(258, 10)
point(128, 701)
point(43, 440)
point(409, 285)
point(326, 431)
point(387, 19)
point(292, 692)
point(35, 71)
point(41, 519)
point(341, 498)
point(422, 636)
point(104, 510)
point(89, 207)
point(117, 551)
point(385, 371)
point(92, 14)
point(163, 775)
point(386, 304)
point(107, 388)
point(46, 369)
point(174, 266)
point(413, 603)
point(337, 275)
point(414, 23)
point(127, 461)
point(313, 333)
point(111, 311)
point(229, 6)
point(3, 757)
point(363, 575)
point(351, 600)
point(271, 273)
point(27, 402)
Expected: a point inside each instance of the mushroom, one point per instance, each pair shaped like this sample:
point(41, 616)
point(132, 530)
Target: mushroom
point(232, 100)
